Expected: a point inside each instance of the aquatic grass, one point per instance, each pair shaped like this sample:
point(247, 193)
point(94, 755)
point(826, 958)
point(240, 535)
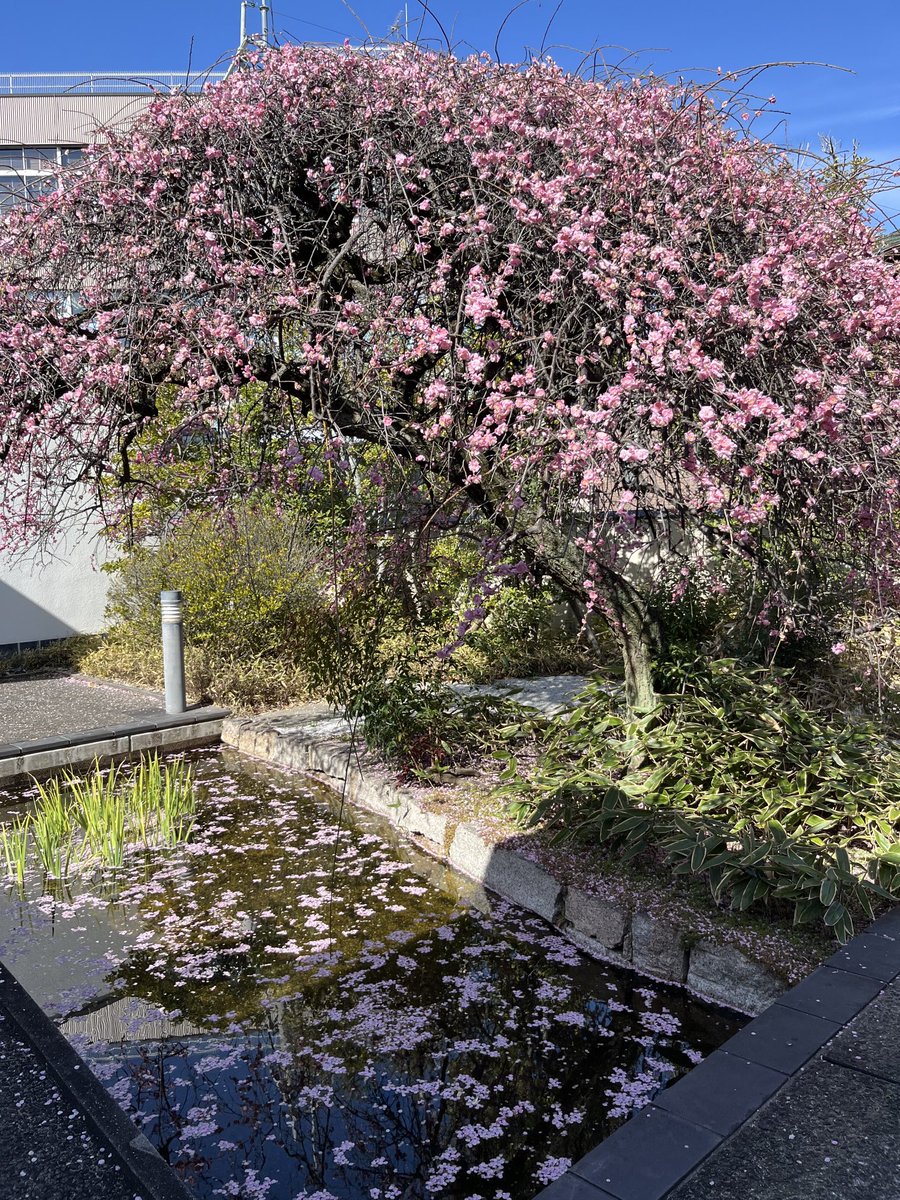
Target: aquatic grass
point(14, 845)
point(163, 799)
point(93, 801)
point(90, 821)
point(51, 830)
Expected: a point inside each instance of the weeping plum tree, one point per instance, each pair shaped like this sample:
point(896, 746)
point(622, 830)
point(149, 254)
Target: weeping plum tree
point(583, 307)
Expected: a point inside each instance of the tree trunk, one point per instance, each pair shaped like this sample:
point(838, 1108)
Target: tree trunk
point(638, 655)
point(640, 641)
point(631, 620)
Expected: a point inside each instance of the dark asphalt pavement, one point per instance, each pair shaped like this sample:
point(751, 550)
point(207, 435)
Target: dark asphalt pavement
point(47, 1150)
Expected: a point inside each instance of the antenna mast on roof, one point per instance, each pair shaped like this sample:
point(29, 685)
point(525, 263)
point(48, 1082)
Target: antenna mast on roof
point(252, 41)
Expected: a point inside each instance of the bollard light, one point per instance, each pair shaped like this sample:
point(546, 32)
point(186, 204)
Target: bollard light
point(173, 651)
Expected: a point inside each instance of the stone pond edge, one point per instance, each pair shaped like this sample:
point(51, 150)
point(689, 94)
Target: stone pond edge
point(718, 973)
point(655, 1151)
point(664, 1144)
point(662, 1138)
point(169, 732)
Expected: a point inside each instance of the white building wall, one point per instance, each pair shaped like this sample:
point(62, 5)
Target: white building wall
point(65, 120)
point(53, 593)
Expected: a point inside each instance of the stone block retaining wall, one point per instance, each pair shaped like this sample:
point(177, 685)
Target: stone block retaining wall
point(720, 973)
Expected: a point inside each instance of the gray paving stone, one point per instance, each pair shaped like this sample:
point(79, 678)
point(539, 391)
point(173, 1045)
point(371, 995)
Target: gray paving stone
point(888, 922)
point(872, 954)
point(37, 708)
point(872, 1042)
point(182, 735)
point(721, 1092)
point(506, 872)
point(72, 756)
point(781, 1038)
point(62, 1137)
point(47, 1149)
point(570, 1187)
point(646, 1156)
point(829, 1134)
point(832, 994)
point(37, 745)
point(596, 918)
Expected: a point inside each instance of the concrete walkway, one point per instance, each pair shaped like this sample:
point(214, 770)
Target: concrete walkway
point(548, 694)
point(55, 722)
point(62, 1137)
point(40, 707)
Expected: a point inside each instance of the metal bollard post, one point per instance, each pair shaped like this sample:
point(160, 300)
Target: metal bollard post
point(173, 651)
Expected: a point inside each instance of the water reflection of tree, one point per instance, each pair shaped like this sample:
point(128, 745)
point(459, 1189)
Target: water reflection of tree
point(390, 1039)
point(391, 1059)
point(249, 855)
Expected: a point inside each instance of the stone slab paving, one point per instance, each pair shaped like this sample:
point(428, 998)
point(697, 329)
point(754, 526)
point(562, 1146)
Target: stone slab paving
point(60, 704)
point(802, 1104)
point(831, 1133)
point(548, 694)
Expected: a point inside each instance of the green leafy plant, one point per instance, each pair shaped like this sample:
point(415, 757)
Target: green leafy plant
point(428, 729)
point(732, 780)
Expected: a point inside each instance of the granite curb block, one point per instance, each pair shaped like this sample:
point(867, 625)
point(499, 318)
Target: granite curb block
point(130, 737)
point(153, 1178)
point(307, 741)
point(649, 1156)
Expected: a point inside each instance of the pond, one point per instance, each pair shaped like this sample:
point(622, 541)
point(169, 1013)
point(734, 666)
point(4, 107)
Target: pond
point(293, 1003)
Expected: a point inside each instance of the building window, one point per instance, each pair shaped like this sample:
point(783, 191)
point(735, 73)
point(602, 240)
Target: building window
point(28, 172)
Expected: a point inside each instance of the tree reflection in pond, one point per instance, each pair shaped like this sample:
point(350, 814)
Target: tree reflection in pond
point(352, 1026)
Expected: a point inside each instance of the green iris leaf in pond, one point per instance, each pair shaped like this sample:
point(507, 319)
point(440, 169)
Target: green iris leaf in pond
point(82, 823)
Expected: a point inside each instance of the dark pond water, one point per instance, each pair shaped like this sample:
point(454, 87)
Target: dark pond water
point(296, 1005)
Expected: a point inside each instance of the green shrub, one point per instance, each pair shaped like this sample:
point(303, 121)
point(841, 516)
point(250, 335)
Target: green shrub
point(706, 608)
point(129, 655)
point(524, 633)
point(246, 683)
point(251, 578)
point(255, 592)
point(263, 627)
point(733, 780)
point(67, 654)
point(242, 683)
point(426, 728)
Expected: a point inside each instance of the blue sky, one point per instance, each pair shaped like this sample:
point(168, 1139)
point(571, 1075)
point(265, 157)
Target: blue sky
point(694, 37)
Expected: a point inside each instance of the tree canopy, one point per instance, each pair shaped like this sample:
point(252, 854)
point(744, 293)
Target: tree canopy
point(583, 306)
